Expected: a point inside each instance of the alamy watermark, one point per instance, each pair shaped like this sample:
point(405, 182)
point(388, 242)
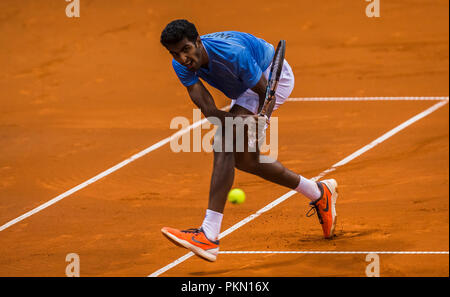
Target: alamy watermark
point(73, 268)
point(235, 134)
point(73, 8)
point(373, 9)
point(373, 269)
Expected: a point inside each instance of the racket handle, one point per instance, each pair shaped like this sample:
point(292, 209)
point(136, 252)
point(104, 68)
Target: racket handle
point(267, 109)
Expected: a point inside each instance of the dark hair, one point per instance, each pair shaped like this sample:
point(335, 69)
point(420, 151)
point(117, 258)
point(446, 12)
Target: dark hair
point(176, 30)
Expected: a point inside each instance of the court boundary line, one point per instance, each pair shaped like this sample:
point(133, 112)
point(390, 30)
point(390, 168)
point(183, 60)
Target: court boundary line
point(167, 140)
point(318, 99)
point(340, 252)
point(104, 173)
point(150, 149)
point(284, 197)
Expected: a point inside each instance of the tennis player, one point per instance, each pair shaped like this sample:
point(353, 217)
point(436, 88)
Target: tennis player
point(238, 65)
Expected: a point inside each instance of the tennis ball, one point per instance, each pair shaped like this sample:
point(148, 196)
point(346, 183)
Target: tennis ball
point(236, 196)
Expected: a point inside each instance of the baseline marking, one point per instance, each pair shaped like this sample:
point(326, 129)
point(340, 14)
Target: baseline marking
point(292, 192)
point(367, 99)
point(176, 135)
point(339, 252)
point(104, 173)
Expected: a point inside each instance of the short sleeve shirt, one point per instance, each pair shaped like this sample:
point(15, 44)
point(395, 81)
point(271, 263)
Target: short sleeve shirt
point(236, 62)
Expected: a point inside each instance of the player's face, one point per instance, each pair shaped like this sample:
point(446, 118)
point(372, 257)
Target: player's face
point(187, 53)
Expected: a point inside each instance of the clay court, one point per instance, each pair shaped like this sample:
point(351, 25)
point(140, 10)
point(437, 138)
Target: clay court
point(78, 96)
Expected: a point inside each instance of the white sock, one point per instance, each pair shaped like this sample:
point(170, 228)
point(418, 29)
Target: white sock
point(308, 188)
point(211, 224)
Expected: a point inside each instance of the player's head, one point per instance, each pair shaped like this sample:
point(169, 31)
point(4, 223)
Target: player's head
point(181, 39)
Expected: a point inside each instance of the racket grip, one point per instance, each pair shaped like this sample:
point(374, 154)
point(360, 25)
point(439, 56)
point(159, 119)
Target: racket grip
point(268, 106)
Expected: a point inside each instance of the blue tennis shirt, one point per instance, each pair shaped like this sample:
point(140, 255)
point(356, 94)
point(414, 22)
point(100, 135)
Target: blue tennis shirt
point(236, 62)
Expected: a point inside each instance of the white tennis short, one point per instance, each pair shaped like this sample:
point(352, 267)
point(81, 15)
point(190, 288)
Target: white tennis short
point(250, 100)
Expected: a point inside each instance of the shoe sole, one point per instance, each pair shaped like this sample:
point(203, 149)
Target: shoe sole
point(185, 244)
point(333, 187)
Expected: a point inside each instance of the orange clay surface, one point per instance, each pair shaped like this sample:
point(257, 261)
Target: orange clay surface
point(80, 95)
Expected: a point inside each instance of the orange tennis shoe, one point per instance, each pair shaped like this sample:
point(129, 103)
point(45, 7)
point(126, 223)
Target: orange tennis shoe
point(194, 240)
point(325, 206)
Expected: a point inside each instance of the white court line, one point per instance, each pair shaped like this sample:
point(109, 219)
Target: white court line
point(367, 99)
point(291, 193)
point(152, 148)
point(104, 173)
point(340, 252)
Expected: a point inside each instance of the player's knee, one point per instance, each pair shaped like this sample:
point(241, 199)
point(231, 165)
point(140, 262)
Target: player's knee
point(247, 165)
point(223, 156)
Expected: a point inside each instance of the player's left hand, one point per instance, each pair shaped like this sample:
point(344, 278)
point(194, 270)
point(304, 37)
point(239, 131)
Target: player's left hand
point(258, 118)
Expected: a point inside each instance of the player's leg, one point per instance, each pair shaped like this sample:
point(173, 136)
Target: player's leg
point(250, 161)
point(204, 241)
point(221, 180)
point(247, 104)
point(274, 171)
point(322, 194)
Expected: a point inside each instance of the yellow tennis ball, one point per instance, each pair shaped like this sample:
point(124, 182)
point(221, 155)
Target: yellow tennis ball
point(236, 196)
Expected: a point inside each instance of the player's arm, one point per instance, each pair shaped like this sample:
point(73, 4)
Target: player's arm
point(249, 71)
point(203, 100)
point(260, 89)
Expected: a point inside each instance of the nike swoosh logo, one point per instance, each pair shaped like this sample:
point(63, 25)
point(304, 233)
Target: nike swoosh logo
point(326, 208)
point(193, 239)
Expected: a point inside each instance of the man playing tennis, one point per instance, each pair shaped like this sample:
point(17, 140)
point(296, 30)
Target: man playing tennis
point(237, 64)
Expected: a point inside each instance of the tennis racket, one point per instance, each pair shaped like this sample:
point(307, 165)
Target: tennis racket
point(274, 78)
